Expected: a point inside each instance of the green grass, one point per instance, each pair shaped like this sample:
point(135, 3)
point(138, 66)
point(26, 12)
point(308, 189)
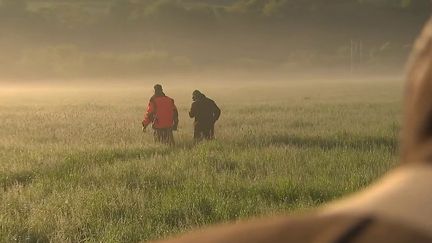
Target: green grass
point(75, 166)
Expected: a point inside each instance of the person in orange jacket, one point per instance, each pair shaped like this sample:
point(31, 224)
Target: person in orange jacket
point(163, 115)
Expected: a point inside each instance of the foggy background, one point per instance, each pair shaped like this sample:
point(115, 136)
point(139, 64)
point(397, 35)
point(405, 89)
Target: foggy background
point(102, 39)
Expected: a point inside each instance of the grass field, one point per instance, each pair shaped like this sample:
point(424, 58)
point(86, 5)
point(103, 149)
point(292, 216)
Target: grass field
point(75, 166)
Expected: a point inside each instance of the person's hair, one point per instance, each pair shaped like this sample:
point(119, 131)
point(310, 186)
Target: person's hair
point(197, 93)
point(158, 87)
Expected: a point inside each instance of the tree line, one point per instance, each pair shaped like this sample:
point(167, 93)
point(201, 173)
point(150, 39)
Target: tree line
point(138, 37)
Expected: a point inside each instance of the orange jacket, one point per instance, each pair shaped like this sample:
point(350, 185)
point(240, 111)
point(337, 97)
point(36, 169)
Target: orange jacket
point(162, 112)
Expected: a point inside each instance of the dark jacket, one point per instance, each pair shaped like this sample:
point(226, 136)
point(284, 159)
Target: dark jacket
point(205, 111)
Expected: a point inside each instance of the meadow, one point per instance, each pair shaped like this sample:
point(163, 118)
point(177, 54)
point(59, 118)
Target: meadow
point(76, 167)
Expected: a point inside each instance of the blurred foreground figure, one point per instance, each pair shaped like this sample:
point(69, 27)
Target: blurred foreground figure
point(163, 114)
point(206, 113)
point(396, 209)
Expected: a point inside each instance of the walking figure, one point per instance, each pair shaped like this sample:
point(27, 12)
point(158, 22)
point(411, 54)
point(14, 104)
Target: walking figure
point(206, 113)
point(163, 115)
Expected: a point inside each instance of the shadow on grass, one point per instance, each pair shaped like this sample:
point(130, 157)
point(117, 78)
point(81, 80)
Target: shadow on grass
point(22, 178)
point(78, 162)
point(30, 236)
point(286, 193)
point(363, 143)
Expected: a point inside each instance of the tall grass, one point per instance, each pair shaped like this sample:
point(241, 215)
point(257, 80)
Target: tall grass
point(75, 166)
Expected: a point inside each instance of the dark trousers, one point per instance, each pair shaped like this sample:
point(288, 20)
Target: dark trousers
point(164, 135)
point(203, 132)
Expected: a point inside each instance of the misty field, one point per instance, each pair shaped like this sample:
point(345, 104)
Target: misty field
point(76, 167)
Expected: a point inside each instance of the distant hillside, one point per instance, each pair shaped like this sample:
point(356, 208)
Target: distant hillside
point(92, 38)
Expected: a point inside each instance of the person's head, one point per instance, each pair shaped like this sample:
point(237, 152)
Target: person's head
point(158, 89)
point(417, 132)
point(196, 95)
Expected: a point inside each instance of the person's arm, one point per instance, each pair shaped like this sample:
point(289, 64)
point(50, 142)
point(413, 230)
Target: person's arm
point(192, 112)
point(217, 112)
point(175, 118)
point(150, 114)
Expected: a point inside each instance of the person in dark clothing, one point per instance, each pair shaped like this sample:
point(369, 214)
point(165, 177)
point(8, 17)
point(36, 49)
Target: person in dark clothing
point(206, 113)
point(163, 114)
